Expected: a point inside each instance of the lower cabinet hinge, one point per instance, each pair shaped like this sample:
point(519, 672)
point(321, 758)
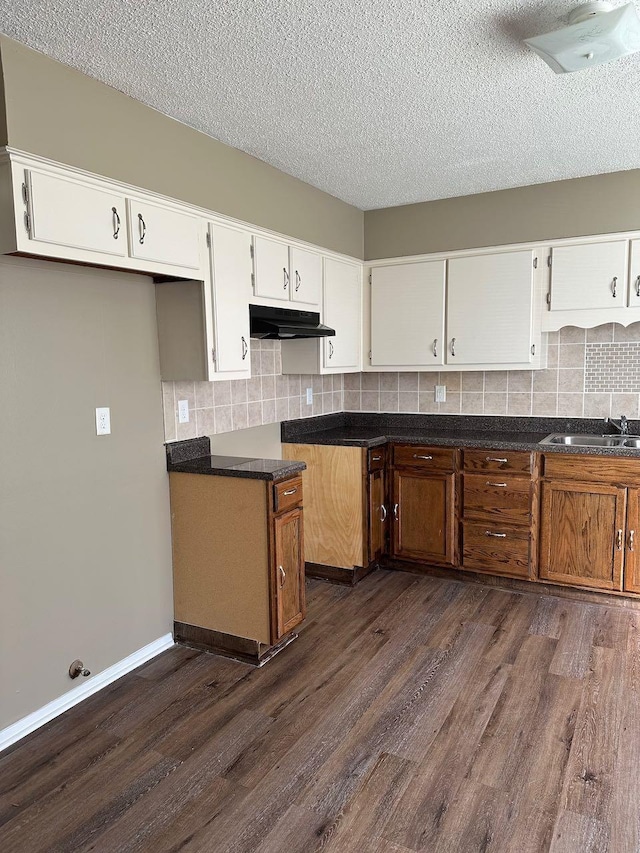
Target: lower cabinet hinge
point(549, 298)
point(27, 223)
point(208, 240)
point(535, 263)
point(549, 261)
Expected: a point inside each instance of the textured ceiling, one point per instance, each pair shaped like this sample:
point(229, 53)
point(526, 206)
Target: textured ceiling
point(379, 102)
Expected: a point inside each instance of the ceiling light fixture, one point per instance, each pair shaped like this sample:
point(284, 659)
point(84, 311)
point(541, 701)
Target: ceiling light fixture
point(597, 33)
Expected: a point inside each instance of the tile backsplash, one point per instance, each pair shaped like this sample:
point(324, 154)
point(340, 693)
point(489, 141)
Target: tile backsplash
point(591, 373)
point(266, 398)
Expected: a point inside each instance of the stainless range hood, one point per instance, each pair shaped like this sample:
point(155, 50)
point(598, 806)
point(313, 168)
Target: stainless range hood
point(284, 324)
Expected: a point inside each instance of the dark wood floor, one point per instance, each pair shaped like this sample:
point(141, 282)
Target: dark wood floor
point(412, 714)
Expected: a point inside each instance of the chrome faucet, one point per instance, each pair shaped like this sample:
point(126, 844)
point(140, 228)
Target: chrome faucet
point(622, 427)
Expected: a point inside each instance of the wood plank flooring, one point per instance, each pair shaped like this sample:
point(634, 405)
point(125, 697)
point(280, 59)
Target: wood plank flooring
point(412, 714)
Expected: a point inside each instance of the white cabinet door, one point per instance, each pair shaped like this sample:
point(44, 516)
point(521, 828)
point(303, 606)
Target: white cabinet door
point(80, 216)
point(306, 276)
point(164, 235)
point(231, 274)
point(407, 314)
point(271, 268)
point(342, 304)
point(634, 279)
point(589, 275)
point(490, 302)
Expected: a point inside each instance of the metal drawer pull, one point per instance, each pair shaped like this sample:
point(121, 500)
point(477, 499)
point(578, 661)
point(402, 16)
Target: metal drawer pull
point(418, 456)
point(499, 485)
point(383, 510)
point(116, 223)
point(245, 348)
point(330, 350)
point(376, 458)
point(495, 459)
point(638, 286)
point(495, 535)
point(632, 535)
point(435, 346)
point(142, 227)
point(286, 277)
point(283, 576)
point(453, 346)
point(290, 492)
point(395, 511)
point(619, 540)
point(298, 281)
point(615, 284)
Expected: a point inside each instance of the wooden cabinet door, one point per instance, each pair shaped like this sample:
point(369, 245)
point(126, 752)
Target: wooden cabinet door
point(163, 235)
point(306, 276)
point(271, 268)
point(407, 314)
point(423, 516)
point(289, 572)
point(231, 276)
point(582, 534)
point(490, 301)
point(632, 542)
point(590, 275)
point(378, 514)
point(67, 213)
point(342, 309)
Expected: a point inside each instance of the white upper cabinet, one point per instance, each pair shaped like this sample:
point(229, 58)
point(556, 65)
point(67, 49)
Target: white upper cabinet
point(490, 305)
point(634, 277)
point(271, 268)
point(64, 212)
point(407, 314)
point(231, 278)
point(305, 276)
point(163, 235)
point(342, 311)
point(589, 276)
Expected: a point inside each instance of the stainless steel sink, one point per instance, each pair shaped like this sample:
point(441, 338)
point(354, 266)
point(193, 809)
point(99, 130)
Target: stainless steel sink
point(591, 440)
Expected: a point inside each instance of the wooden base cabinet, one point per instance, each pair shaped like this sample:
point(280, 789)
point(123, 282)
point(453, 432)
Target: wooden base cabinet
point(238, 562)
point(631, 562)
point(423, 497)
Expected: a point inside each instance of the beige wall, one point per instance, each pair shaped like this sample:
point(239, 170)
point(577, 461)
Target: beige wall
point(85, 552)
point(595, 205)
point(57, 112)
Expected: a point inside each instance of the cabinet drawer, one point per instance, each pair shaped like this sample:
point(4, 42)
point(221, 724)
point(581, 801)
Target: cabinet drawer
point(506, 499)
point(377, 458)
point(418, 456)
point(496, 549)
point(287, 494)
point(515, 462)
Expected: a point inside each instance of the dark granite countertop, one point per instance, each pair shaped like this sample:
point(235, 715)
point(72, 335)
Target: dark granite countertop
point(492, 432)
point(194, 457)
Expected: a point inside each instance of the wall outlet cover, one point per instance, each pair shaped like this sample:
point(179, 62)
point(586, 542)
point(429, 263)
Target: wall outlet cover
point(309, 396)
point(183, 411)
point(441, 393)
point(103, 421)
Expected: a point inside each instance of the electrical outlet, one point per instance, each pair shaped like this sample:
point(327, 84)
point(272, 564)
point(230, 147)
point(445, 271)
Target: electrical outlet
point(183, 411)
point(103, 421)
point(309, 396)
point(441, 393)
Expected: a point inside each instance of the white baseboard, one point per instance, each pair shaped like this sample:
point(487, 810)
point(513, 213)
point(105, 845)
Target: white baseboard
point(58, 706)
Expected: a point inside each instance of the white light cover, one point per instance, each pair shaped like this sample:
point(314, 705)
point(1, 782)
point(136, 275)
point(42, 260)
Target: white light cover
point(601, 38)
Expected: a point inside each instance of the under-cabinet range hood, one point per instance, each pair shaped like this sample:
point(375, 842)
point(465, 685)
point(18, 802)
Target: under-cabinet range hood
point(283, 324)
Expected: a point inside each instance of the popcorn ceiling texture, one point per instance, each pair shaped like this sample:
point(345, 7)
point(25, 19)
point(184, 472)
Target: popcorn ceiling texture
point(588, 375)
point(378, 103)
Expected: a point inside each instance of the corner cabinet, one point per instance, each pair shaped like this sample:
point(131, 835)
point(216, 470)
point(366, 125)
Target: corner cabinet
point(342, 311)
point(238, 563)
